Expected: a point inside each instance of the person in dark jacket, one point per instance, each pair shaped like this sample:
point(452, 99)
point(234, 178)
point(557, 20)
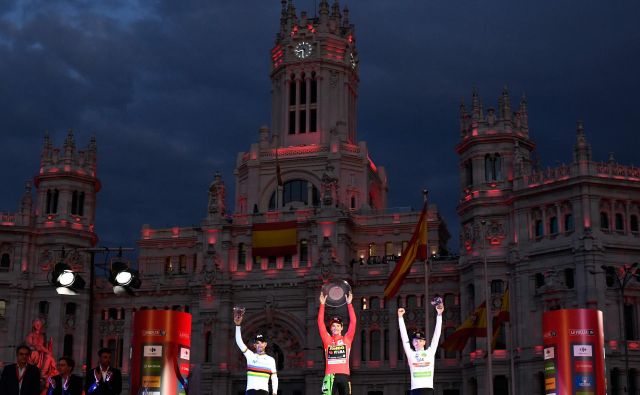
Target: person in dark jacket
point(20, 378)
point(103, 379)
point(65, 383)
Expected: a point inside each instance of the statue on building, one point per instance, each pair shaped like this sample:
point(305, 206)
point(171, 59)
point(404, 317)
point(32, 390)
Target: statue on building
point(41, 355)
point(217, 192)
point(329, 186)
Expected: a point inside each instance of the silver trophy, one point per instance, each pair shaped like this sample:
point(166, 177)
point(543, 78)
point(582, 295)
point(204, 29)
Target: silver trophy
point(436, 301)
point(336, 292)
point(238, 312)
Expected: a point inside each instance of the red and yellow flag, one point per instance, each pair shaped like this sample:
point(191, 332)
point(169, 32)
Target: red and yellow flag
point(502, 317)
point(474, 325)
point(416, 249)
point(275, 239)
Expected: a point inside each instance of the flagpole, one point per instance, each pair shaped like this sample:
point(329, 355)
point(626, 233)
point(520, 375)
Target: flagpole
point(425, 195)
point(489, 377)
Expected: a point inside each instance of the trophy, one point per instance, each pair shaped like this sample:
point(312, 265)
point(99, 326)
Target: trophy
point(336, 292)
point(436, 301)
point(238, 312)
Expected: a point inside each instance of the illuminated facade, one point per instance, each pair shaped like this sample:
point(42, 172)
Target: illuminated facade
point(545, 233)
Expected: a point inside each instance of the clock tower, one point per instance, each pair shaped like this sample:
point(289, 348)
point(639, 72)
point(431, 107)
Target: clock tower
point(310, 157)
point(314, 74)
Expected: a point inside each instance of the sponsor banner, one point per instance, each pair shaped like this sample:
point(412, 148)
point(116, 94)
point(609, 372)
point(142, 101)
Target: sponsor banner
point(581, 332)
point(549, 353)
point(151, 366)
point(584, 382)
point(550, 383)
point(151, 381)
point(152, 351)
point(582, 350)
point(583, 366)
point(184, 353)
point(549, 369)
point(184, 369)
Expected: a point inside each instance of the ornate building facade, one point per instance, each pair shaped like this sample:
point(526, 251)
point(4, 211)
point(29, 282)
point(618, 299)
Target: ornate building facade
point(546, 234)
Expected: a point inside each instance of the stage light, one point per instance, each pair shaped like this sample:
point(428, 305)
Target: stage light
point(123, 278)
point(66, 281)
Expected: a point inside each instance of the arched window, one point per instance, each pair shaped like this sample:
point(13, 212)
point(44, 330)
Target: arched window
point(500, 385)
point(619, 222)
point(363, 345)
point(43, 307)
point(468, 173)
point(412, 302)
point(67, 345)
point(634, 223)
point(448, 332)
point(113, 314)
point(242, 255)
point(374, 354)
point(81, 204)
point(568, 222)
point(373, 250)
point(553, 225)
point(168, 265)
point(497, 286)
point(304, 252)
point(208, 346)
point(54, 203)
point(385, 344)
point(74, 205)
point(5, 262)
point(492, 167)
point(183, 264)
point(604, 220)
point(615, 381)
point(70, 309)
point(296, 191)
point(49, 199)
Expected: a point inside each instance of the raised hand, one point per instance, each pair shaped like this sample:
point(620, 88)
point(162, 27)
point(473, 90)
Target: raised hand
point(440, 309)
point(349, 297)
point(323, 298)
point(400, 312)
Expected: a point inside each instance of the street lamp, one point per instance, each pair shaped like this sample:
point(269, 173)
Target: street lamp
point(623, 275)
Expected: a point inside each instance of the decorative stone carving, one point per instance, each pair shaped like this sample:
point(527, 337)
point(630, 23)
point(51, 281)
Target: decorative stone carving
point(217, 191)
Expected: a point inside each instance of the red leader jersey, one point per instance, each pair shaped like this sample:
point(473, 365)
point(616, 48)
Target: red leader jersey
point(337, 349)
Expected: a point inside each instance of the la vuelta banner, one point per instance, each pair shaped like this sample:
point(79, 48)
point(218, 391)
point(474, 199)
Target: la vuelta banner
point(160, 352)
point(574, 352)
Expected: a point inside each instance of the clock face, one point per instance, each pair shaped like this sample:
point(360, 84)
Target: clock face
point(303, 50)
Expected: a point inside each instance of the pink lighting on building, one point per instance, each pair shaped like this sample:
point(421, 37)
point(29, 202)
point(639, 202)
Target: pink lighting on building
point(212, 236)
point(327, 227)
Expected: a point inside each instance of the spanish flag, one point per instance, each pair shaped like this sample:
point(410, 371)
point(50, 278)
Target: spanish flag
point(416, 249)
point(502, 317)
point(474, 325)
point(274, 239)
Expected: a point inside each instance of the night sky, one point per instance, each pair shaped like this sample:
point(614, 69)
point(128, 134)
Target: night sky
point(172, 90)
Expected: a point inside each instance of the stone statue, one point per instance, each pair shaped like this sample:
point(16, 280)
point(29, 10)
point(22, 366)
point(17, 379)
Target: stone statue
point(41, 355)
point(217, 193)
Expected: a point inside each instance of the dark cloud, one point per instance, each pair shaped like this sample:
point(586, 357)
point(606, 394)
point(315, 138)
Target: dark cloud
point(174, 89)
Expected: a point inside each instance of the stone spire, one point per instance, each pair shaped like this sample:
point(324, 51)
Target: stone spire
point(505, 105)
point(582, 149)
point(69, 146)
point(345, 16)
point(26, 202)
point(47, 149)
point(92, 153)
point(217, 193)
point(476, 111)
point(335, 11)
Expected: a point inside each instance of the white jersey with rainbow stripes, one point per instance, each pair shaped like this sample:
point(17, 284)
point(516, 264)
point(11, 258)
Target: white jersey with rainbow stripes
point(260, 367)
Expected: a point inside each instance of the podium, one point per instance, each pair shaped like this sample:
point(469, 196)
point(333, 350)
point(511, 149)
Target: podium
point(160, 352)
point(573, 352)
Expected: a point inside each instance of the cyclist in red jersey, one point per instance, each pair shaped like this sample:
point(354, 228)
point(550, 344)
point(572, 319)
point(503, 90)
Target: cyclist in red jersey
point(337, 349)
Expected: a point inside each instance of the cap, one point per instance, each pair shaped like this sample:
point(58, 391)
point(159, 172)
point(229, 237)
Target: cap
point(336, 319)
point(418, 335)
point(259, 337)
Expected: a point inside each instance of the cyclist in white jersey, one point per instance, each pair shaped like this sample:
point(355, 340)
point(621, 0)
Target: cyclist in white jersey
point(421, 362)
point(260, 366)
